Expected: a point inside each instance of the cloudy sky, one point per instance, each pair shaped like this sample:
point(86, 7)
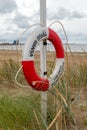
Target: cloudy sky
point(17, 15)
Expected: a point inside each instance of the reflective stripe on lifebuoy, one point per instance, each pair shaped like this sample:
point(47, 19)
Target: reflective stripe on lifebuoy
point(34, 80)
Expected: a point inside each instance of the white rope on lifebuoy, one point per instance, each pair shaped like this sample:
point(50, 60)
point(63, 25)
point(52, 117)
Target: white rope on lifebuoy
point(34, 80)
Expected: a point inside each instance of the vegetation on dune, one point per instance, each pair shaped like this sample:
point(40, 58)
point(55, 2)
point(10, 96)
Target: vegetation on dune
point(19, 113)
point(24, 113)
point(8, 70)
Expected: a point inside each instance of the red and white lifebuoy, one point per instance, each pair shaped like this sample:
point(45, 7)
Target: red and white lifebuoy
point(34, 80)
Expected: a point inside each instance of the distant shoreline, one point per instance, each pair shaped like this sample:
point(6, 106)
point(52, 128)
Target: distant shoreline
point(48, 44)
point(70, 48)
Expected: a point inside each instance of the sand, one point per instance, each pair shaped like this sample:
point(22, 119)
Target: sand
point(17, 56)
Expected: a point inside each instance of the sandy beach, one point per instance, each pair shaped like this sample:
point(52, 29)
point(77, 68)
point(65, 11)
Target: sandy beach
point(75, 57)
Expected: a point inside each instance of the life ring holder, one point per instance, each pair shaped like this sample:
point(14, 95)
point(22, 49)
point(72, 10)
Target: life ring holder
point(34, 80)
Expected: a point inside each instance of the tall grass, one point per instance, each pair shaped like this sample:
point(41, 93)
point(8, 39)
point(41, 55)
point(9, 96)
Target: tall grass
point(77, 75)
point(24, 112)
point(19, 113)
point(8, 70)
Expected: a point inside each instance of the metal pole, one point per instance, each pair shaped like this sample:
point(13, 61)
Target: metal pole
point(43, 50)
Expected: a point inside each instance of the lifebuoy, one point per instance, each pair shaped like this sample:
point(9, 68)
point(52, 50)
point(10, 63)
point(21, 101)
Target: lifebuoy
point(34, 80)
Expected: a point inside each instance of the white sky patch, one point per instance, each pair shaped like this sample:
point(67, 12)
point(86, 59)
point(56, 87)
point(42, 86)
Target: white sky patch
point(27, 7)
point(76, 25)
point(69, 4)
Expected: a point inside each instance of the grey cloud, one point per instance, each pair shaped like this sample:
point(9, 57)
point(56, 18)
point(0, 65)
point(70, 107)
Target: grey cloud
point(11, 35)
point(63, 13)
point(36, 16)
point(8, 36)
point(76, 14)
point(73, 37)
point(77, 37)
point(20, 20)
point(7, 6)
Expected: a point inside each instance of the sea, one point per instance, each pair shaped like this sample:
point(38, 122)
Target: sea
point(70, 48)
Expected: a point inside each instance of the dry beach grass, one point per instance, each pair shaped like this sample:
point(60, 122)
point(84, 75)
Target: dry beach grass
point(74, 80)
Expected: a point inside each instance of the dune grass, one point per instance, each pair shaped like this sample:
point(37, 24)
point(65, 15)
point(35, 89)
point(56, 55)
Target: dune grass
point(20, 113)
point(23, 112)
point(8, 70)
